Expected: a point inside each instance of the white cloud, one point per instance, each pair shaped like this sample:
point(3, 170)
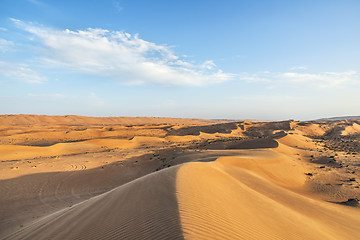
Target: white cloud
point(121, 56)
point(3, 29)
point(208, 65)
point(20, 72)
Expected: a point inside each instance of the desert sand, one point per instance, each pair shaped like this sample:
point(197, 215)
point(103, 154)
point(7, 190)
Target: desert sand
point(73, 177)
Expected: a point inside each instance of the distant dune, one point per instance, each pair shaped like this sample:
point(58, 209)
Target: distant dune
point(23, 119)
point(338, 118)
point(73, 177)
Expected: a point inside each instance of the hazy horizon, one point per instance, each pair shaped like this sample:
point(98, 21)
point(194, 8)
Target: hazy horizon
point(215, 119)
point(258, 60)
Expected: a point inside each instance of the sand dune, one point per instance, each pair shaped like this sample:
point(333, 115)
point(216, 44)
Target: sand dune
point(297, 141)
point(353, 129)
point(73, 177)
point(248, 197)
point(143, 209)
point(236, 199)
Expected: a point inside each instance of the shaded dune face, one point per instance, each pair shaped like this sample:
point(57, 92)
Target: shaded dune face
point(143, 209)
point(246, 144)
point(258, 195)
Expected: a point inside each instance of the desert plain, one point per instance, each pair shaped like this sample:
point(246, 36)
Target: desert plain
point(74, 177)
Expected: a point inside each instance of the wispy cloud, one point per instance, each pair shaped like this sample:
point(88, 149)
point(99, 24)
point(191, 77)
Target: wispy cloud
point(319, 80)
point(48, 95)
point(118, 6)
point(323, 80)
point(265, 77)
point(3, 29)
point(298, 68)
point(36, 2)
point(121, 56)
point(5, 45)
point(96, 100)
point(264, 98)
point(20, 72)
point(129, 59)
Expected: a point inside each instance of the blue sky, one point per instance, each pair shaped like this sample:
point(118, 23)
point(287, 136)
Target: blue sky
point(266, 60)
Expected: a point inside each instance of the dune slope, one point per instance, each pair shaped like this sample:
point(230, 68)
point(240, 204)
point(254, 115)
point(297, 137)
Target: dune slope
point(143, 209)
point(255, 196)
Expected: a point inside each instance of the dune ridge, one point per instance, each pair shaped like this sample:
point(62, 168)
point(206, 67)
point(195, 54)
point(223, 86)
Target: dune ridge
point(145, 208)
